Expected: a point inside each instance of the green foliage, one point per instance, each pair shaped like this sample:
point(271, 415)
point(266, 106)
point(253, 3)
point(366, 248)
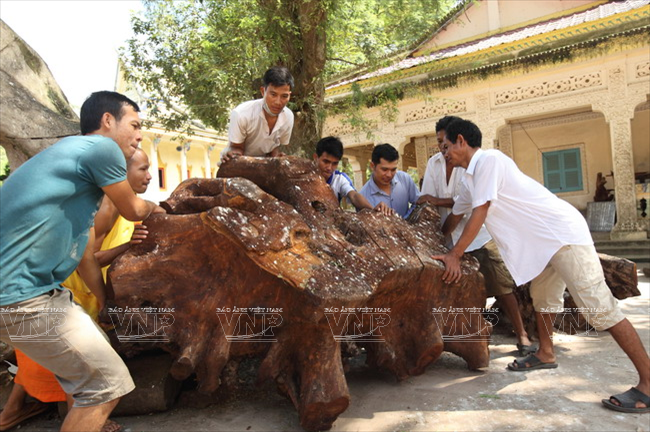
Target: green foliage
point(368, 32)
point(5, 170)
point(208, 56)
point(413, 173)
point(385, 99)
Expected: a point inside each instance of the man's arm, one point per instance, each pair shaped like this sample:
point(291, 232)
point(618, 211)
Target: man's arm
point(276, 152)
point(91, 273)
point(384, 208)
point(235, 149)
point(129, 204)
point(104, 220)
point(452, 258)
point(106, 257)
point(451, 223)
point(440, 202)
point(360, 202)
point(414, 192)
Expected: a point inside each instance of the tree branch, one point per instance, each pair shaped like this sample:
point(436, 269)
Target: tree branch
point(344, 61)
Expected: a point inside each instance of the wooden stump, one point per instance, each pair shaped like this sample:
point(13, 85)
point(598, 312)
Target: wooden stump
point(275, 269)
point(155, 389)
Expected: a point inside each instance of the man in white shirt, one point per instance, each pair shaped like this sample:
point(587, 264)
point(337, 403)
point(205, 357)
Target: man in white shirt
point(259, 127)
point(329, 151)
point(396, 189)
point(545, 240)
point(441, 179)
point(441, 185)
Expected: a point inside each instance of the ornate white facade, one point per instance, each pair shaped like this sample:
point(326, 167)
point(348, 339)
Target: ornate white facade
point(592, 95)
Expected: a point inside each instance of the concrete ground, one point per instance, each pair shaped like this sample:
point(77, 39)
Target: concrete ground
point(448, 396)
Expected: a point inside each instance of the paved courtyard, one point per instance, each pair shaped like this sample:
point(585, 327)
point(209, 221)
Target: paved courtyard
point(448, 396)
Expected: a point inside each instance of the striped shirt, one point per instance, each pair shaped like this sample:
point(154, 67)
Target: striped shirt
point(340, 184)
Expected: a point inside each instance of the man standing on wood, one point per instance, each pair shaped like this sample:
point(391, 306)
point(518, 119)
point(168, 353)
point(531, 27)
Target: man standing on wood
point(545, 240)
point(259, 127)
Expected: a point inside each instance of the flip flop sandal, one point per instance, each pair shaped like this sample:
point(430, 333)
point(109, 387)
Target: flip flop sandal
point(29, 410)
point(628, 402)
point(524, 350)
point(531, 362)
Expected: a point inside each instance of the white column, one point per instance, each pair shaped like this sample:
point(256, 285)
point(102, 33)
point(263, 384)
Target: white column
point(627, 227)
point(184, 148)
point(206, 159)
point(505, 140)
point(421, 158)
point(357, 177)
point(619, 111)
point(154, 186)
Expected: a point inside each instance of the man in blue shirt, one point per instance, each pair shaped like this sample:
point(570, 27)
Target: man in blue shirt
point(47, 211)
point(394, 188)
point(329, 151)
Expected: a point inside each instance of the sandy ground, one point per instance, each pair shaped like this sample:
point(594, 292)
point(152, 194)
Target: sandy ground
point(448, 396)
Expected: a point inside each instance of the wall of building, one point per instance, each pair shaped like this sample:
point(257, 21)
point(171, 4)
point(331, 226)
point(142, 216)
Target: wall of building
point(590, 136)
point(600, 94)
point(486, 17)
point(534, 10)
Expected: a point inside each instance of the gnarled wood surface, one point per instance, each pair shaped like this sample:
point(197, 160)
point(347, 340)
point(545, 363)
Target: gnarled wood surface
point(268, 237)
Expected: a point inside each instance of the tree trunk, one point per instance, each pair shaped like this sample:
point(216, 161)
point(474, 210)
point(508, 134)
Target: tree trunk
point(305, 58)
point(265, 263)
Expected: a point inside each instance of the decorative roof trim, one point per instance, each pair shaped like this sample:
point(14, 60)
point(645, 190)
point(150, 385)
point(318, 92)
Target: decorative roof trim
point(549, 17)
point(638, 14)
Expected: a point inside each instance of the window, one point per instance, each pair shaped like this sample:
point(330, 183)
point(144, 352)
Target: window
point(562, 170)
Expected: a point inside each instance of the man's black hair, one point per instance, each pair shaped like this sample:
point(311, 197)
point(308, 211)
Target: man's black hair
point(101, 102)
point(384, 151)
point(443, 122)
point(278, 76)
point(331, 145)
point(467, 129)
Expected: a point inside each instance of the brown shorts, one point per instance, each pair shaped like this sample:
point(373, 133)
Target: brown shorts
point(497, 277)
point(60, 336)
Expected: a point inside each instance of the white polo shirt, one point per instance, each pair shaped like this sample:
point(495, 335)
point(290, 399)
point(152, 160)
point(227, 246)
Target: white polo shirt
point(248, 126)
point(435, 184)
point(341, 184)
point(529, 224)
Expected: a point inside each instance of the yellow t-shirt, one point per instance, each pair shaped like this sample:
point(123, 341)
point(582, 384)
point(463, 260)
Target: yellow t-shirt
point(120, 233)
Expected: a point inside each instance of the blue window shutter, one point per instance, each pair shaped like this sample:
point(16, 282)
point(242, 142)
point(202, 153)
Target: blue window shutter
point(572, 170)
point(552, 171)
point(562, 170)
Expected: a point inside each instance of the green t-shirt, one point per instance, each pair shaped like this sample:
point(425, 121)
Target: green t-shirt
point(47, 207)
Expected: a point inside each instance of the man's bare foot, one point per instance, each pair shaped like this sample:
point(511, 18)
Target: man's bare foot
point(530, 362)
point(631, 401)
point(10, 419)
point(524, 340)
point(111, 426)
